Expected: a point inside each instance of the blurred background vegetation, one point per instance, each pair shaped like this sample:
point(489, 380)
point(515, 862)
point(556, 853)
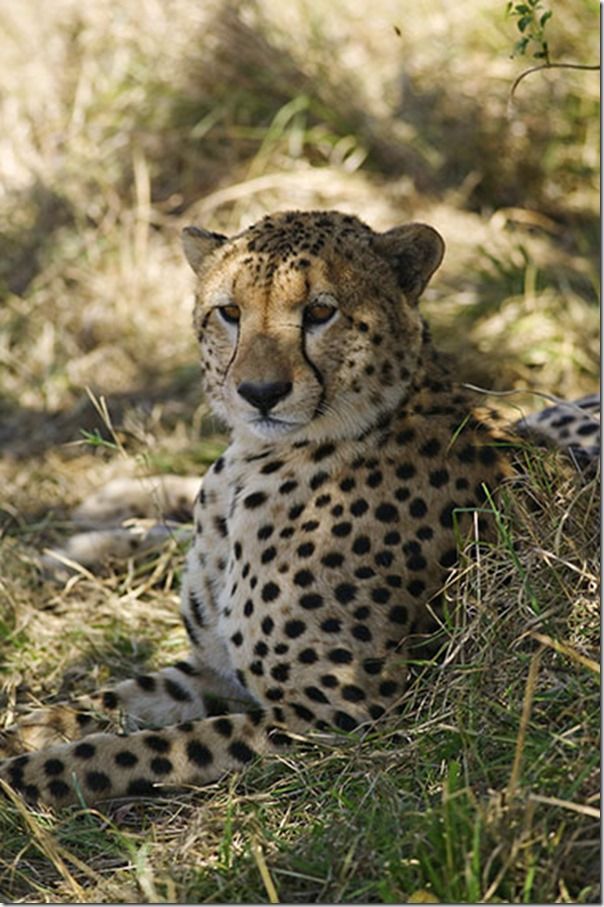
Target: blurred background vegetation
point(122, 122)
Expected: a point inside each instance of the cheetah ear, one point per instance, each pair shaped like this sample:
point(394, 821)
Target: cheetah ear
point(414, 251)
point(198, 244)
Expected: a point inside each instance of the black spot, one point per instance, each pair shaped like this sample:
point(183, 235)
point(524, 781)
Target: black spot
point(221, 526)
point(156, 743)
point(373, 665)
point(589, 428)
point(125, 759)
point(388, 688)
point(310, 525)
point(380, 595)
point(256, 499)
point(394, 580)
point(448, 558)
point(271, 467)
point(331, 625)
point(344, 721)
point(362, 633)
point(294, 628)
point(160, 765)
point(280, 672)
point(329, 680)
point(341, 529)
point(402, 494)
point(97, 781)
point(141, 787)
point(84, 750)
point(308, 656)
point(257, 668)
point(361, 613)
point(430, 448)
point(376, 711)
point(398, 614)
point(175, 690)
point(302, 712)
point(462, 483)
point(58, 789)
point(199, 753)
point(438, 478)
point(487, 455)
point(361, 545)
point(268, 555)
point(359, 507)
point(345, 592)
point(416, 587)
point(467, 454)
point(261, 649)
point(288, 486)
point(384, 558)
point(315, 695)
point(53, 767)
point(323, 500)
point(270, 591)
point(318, 479)
point(310, 601)
point(349, 483)
point(352, 693)
point(218, 465)
point(248, 608)
point(237, 638)
point(332, 559)
point(386, 513)
point(340, 656)
point(323, 451)
point(446, 515)
point(417, 562)
point(424, 533)
point(185, 668)
point(264, 533)
point(241, 751)
point(375, 478)
point(403, 437)
point(392, 538)
point(295, 511)
point(275, 694)
point(110, 700)
point(405, 471)
point(338, 510)
point(303, 578)
point(417, 508)
point(267, 625)
point(306, 549)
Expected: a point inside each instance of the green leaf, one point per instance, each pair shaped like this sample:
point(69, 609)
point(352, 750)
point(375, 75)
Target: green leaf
point(547, 15)
point(524, 22)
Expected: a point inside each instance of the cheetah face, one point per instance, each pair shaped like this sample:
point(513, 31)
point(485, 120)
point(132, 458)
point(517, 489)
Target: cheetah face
point(308, 321)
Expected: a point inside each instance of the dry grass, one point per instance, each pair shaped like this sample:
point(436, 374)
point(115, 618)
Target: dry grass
point(120, 124)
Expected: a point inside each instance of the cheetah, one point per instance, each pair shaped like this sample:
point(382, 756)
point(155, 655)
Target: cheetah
point(323, 534)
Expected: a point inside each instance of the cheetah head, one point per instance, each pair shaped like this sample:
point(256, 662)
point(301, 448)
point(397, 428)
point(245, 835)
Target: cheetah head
point(308, 321)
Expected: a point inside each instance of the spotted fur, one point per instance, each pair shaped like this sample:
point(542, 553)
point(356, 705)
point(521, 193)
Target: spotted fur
point(323, 534)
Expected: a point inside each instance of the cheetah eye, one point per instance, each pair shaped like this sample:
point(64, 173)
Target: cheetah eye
point(230, 313)
point(318, 313)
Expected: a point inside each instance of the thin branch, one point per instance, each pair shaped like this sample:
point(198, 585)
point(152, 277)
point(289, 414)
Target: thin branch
point(527, 72)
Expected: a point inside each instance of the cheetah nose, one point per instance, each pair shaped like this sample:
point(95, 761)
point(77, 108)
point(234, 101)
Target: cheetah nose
point(264, 396)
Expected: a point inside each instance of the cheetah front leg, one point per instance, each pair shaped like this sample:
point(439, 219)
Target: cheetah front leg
point(104, 766)
point(182, 692)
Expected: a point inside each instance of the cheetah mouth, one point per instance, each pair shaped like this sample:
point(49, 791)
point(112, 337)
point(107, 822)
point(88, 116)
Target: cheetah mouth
point(272, 427)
